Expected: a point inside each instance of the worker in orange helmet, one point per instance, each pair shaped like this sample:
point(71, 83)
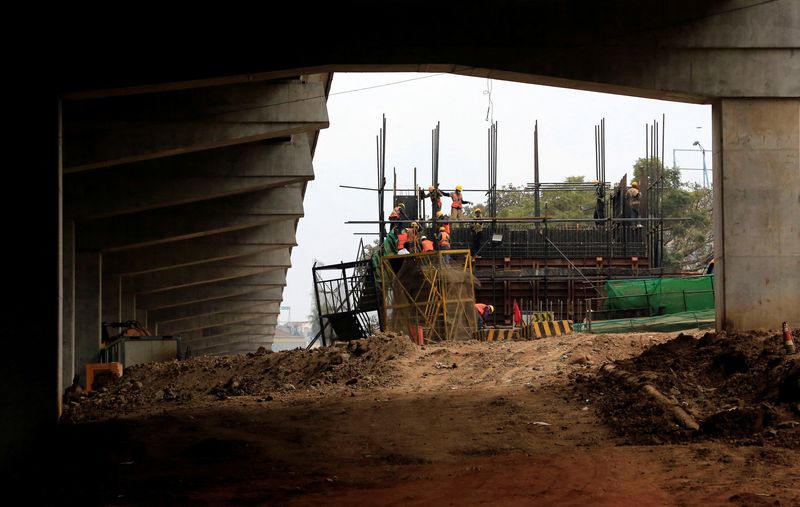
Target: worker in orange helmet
point(483, 313)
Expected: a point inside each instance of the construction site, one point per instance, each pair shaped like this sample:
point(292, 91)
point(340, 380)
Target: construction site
point(566, 333)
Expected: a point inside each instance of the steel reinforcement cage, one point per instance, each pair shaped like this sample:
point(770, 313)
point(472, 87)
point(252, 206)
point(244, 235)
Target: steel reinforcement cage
point(429, 295)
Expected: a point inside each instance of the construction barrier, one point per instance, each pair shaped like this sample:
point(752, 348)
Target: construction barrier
point(532, 331)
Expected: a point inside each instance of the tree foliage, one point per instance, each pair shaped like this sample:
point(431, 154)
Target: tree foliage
point(688, 244)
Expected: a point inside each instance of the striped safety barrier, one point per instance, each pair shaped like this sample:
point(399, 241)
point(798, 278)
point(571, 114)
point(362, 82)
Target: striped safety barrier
point(532, 331)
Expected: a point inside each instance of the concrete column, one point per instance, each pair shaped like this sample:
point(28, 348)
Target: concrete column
point(88, 297)
point(757, 212)
point(68, 303)
point(112, 298)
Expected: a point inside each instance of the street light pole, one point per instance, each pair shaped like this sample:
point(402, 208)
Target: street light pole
point(705, 173)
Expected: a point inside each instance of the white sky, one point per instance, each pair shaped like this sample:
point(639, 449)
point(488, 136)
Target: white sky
point(346, 152)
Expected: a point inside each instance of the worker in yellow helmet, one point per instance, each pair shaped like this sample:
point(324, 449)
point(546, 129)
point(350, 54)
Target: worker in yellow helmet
point(483, 313)
point(633, 195)
point(477, 232)
point(457, 206)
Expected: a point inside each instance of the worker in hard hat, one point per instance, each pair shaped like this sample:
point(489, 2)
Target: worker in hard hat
point(427, 245)
point(483, 313)
point(633, 195)
point(413, 236)
point(477, 232)
point(443, 240)
point(457, 206)
point(441, 218)
point(435, 196)
point(397, 216)
point(600, 203)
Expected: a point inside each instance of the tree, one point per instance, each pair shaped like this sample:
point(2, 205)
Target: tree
point(688, 244)
point(515, 202)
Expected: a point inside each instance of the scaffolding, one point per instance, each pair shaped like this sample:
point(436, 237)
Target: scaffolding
point(429, 294)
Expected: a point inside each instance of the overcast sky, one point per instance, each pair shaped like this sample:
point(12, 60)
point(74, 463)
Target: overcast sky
point(413, 103)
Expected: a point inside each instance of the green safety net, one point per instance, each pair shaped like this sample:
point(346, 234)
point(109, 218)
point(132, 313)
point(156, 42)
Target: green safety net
point(702, 319)
point(661, 295)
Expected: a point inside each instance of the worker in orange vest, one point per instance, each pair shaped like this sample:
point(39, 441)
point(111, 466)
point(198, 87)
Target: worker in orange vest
point(413, 236)
point(457, 207)
point(397, 215)
point(483, 312)
point(436, 197)
point(427, 245)
point(402, 237)
point(442, 219)
point(444, 239)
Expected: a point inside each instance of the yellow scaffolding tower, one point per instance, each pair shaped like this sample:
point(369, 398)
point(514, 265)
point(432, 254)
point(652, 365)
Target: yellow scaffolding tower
point(432, 292)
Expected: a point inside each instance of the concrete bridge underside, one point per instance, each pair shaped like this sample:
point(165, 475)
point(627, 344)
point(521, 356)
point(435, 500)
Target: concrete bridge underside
point(175, 191)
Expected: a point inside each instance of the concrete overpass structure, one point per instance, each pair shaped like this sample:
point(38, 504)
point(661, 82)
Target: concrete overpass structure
point(176, 185)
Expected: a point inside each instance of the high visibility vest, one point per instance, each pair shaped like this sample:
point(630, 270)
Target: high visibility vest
point(427, 245)
point(413, 236)
point(444, 240)
point(446, 227)
point(457, 197)
point(401, 239)
point(480, 308)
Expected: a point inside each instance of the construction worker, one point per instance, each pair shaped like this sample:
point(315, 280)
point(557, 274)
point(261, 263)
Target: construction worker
point(402, 237)
point(457, 206)
point(390, 243)
point(404, 249)
point(413, 236)
point(634, 196)
point(436, 197)
point(483, 313)
point(477, 230)
point(443, 221)
point(397, 215)
point(600, 203)
point(443, 238)
point(427, 245)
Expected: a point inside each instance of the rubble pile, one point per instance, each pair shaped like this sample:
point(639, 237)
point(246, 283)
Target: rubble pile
point(357, 364)
point(740, 387)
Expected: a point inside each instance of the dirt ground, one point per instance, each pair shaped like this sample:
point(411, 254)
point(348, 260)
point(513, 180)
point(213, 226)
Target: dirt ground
point(384, 422)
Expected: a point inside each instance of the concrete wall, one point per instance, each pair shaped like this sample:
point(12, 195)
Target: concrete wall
point(757, 212)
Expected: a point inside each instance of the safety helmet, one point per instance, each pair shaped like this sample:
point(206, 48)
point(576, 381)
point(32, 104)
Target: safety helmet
point(430, 189)
point(439, 213)
point(442, 229)
point(491, 309)
point(596, 182)
point(401, 205)
point(414, 225)
point(423, 238)
point(634, 183)
point(478, 210)
point(459, 188)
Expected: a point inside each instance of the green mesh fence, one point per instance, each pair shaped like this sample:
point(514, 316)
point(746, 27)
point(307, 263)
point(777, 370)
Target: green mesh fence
point(701, 319)
point(662, 296)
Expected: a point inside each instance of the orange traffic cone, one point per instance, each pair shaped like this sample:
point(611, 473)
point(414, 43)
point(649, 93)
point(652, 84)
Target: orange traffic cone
point(788, 341)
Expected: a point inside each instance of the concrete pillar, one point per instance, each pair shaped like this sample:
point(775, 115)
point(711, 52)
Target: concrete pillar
point(112, 298)
point(88, 297)
point(757, 212)
point(68, 303)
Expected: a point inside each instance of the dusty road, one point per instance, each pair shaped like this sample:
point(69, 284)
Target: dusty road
point(457, 424)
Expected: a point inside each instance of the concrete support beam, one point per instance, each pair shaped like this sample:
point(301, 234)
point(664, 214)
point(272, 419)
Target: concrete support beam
point(68, 303)
point(231, 330)
point(88, 294)
point(207, 292)
point(187, 178)
point(192, 220)
point(121, 130)
point(199, 250)
point(269, 311)
point(227, 304)
point(228, 269)
point(259, 324)
point(757, 212)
